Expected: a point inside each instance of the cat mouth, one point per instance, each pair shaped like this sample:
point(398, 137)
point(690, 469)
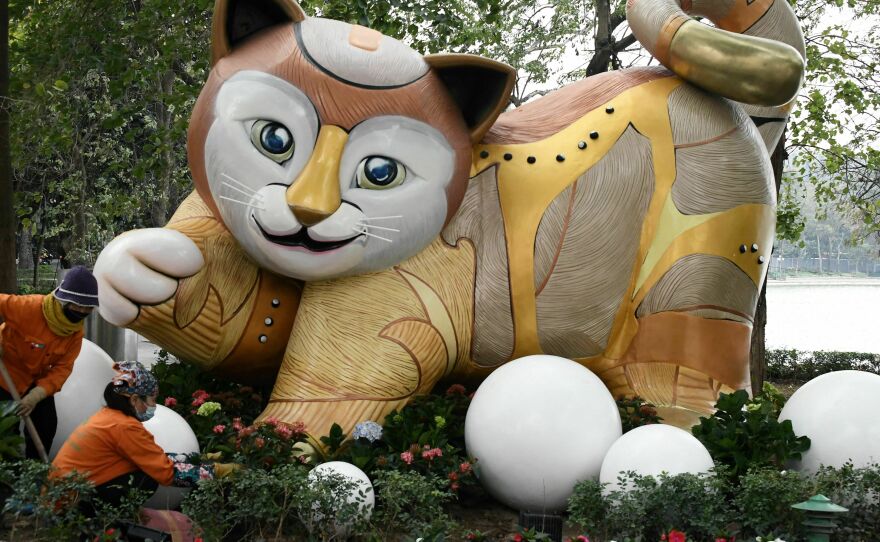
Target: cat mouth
point(302, 239)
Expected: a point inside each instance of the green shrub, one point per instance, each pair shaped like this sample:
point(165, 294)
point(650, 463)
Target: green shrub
point(636, 412)
point(256, 504)
point(858, 490)
point(650, 507)
point(425, 436)
point(745, 434)
point(10, 439)
point(410, 503)
point(57, 511)
point(800, 366)
point(763, 501)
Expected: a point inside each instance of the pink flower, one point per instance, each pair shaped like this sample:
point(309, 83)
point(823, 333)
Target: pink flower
point(465, 467)
point(582, 538)
point(407, 457)
point(454, 486)
point(170, 402)
point(677, 536)
point(199, 397)
point(432, 453)
point(453, 476)
point(236, 424)
point(219, 428)
point(259, 442)
point(456, 389)
point(273, 421)
point(283, 431)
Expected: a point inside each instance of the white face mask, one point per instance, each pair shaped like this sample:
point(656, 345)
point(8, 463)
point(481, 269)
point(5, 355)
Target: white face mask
point(147, 414)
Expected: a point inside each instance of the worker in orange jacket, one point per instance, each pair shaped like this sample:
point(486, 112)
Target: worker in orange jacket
point(114, 450)
point(40, 337)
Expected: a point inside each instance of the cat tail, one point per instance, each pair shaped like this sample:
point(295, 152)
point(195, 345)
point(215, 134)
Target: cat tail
point(755, 55)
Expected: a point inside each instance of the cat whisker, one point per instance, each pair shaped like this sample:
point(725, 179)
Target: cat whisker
point(368, 234)
point(367, 219)
point(370, 226)
point(255, 195)
point(240, 184)
point(246, 204)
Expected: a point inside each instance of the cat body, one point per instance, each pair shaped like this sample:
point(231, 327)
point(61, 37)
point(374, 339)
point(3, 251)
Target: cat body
point(366, 225)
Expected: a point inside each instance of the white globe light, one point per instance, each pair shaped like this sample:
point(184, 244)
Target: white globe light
point(82, 394)
point(361, 485)
point(173, 435)
point(838, 411)
point(651, 450)
point(537, 426)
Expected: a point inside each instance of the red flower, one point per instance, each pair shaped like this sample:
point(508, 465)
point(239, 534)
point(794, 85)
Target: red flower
point(582, 538)
point(219, 428)
point(456, 389)
point(663, 536)
point(677, 536)
point(517, 538)
point(454, 486)
point(464, 467)
point(259, 442)
point(471, 536)
point(170, 402)
point(453, 476)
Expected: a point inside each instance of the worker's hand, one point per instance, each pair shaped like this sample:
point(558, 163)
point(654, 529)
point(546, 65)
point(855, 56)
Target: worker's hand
point(143, 267)
point(222, 470)
point(30, 400)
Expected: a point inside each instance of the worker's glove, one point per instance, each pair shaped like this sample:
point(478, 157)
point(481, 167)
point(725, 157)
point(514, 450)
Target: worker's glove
point(30, 400)
point(222, 470)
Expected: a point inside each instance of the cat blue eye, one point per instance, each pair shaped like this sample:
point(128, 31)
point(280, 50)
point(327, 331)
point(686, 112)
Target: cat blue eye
point(379, 173)
point(273, 139)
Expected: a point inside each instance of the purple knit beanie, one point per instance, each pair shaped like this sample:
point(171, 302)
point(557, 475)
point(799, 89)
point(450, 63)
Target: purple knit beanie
point(79, 286)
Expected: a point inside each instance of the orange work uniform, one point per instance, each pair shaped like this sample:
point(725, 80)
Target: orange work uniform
point(110, 444)
point(33, 354)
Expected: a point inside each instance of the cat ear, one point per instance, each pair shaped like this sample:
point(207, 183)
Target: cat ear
point(235, 20)
point(481, 87)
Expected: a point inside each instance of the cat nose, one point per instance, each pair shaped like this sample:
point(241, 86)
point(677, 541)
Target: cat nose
point(315, 194)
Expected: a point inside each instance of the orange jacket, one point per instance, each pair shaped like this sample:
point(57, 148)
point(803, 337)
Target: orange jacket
point(33, 354)
point(110, 444)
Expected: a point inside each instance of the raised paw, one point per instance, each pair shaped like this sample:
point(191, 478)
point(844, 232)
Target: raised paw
point(143, 267)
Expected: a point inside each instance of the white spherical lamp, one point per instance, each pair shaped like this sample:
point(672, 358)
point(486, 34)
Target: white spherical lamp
point(838, 411)
point(537, 426)
point(82, 393)
point(360, 492)
point(651, 450)
point(174, 435)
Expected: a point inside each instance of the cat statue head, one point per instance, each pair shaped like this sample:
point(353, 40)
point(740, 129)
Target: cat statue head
point(328, 149)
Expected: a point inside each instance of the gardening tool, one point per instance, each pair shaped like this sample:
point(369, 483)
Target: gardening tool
point(28, 423)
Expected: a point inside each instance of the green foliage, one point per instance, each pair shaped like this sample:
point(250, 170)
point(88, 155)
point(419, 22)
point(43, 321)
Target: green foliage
point(411, 503)
point(858, 490)
point(636, 412)
point(800, 366)
point(744, 434)
point(763, 501)
point(58, 503)
point(256, 504)
point(10, 439)
point(425, 436)
point(649, 507)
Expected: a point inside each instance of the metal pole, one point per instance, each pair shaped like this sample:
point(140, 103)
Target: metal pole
point(28, 423)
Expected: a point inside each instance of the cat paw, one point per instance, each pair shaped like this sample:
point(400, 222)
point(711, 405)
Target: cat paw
point(142, 267)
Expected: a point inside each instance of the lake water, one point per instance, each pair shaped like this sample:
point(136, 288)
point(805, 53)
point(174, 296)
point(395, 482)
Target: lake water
point(824, 314)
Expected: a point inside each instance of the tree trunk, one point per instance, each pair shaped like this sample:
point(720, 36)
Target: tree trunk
point(8, 281)
point(758, 351)
point(25, 249)
point(164, 120)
